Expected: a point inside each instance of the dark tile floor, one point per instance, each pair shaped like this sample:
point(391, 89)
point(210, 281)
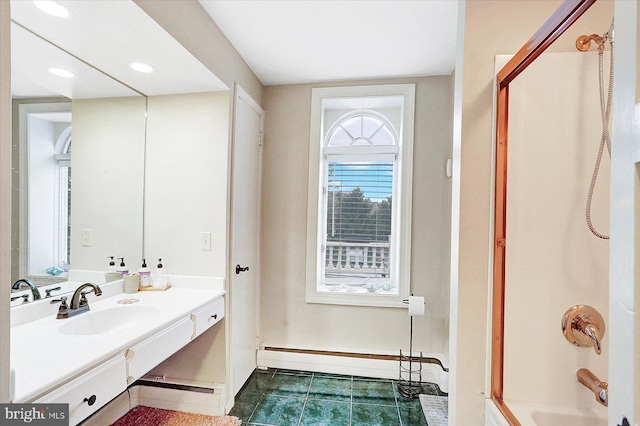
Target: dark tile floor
point(290, 398)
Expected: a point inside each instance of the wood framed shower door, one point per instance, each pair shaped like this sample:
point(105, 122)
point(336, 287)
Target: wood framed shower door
point(568, 12)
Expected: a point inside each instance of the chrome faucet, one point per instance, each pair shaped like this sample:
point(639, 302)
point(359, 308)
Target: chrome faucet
point(599, 389)
point(79, 302)
point(23, 281)
point(79, 299)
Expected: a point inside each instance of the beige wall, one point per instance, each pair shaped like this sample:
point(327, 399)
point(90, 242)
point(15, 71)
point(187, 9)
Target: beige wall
point(201, 362)
point(188, 23)
point(107, 181)
point(492, 27)
point(286, 319)
point(186, 182)
point(5, 191)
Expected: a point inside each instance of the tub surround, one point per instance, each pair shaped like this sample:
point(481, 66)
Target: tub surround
point(68, 356)
point(529, 413)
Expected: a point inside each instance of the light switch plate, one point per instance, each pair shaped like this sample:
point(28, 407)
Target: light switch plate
point(205, 241)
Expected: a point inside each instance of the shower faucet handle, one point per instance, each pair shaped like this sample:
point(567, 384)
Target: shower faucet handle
point(583, 326)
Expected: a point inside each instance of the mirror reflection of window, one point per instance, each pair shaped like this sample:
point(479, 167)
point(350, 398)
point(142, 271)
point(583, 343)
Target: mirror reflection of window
point(63, 201)
point(48, 166)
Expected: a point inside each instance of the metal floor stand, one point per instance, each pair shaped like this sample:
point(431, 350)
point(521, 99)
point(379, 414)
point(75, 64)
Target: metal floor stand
point(409, 367)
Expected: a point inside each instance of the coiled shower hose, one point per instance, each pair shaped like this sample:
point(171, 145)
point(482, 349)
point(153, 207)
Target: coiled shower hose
point(605, 113)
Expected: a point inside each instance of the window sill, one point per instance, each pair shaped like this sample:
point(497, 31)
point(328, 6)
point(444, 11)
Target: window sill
point(387, 300)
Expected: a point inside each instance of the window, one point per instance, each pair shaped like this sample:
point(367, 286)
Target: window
point(359, 207)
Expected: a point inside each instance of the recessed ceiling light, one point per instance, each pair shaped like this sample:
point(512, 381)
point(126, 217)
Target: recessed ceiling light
point(53, 8)
point(140, 67)
point(61, 72)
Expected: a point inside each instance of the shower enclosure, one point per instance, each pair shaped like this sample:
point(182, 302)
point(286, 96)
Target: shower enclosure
point(545, 258)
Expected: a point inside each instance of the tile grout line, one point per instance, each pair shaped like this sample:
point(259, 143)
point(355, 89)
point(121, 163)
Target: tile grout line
point(395, 397)
point(306, 398)
point(351, 402)
point(260, 399)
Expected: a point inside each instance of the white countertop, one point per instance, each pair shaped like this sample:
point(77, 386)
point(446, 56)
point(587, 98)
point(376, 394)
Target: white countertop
point(43, 358)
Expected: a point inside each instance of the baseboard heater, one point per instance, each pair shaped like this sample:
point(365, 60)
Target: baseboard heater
point(171, 385)
point(349, 363)
point(425, 360)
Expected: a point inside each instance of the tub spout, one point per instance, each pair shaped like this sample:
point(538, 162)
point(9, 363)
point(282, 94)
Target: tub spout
point(599, 389)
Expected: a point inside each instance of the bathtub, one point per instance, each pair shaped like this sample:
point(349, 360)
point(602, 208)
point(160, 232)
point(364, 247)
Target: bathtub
point(531, 414)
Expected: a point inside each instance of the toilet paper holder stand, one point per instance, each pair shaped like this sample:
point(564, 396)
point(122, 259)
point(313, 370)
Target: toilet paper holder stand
point(409, 368)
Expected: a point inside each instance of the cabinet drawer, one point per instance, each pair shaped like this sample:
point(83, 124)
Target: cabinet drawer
point(206, 316)
point(146, 355)
point(89, 392)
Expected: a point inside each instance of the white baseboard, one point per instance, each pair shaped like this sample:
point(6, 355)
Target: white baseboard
point(211, 404)
point(379, 368)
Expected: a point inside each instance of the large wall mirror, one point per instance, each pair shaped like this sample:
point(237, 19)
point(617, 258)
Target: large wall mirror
point(78, 163)
point(80, 138)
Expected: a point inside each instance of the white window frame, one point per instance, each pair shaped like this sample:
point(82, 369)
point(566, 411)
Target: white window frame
point(360, 98)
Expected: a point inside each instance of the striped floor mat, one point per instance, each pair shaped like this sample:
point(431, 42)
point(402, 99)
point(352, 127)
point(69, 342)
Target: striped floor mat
point(148, 416)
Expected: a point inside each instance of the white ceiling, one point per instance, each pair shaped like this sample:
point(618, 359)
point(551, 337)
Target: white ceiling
point(108, 34)
point(294, 41)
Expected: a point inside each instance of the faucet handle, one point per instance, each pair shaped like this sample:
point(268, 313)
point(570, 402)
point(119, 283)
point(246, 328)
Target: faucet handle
point(83, 298)
point(25, 298)
point(63, 310)
point(62, 300)
point(583, 326)
point(50, 290)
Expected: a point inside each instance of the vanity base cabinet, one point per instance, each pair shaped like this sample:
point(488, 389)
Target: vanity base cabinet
point(144, 356)
point(91, 391)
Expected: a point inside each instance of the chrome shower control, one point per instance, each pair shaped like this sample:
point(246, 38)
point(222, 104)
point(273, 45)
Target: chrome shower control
point(583, 326)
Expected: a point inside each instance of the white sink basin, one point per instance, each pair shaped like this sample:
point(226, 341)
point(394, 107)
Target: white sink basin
point(107, 320)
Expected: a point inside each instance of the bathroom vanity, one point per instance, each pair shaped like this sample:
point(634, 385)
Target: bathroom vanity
point(90, 358)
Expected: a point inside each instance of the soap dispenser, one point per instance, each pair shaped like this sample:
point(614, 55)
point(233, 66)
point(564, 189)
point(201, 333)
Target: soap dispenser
point(160, 276)
point(112, 273)
point(122, 268)
point(145, 275)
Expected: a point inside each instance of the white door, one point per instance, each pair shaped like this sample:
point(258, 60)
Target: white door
point(245, 228)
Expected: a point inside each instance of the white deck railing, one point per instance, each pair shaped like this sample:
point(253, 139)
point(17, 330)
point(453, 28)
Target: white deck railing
point(357, 258)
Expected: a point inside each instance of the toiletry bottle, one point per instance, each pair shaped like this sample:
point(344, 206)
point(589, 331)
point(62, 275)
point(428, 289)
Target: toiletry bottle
point(112, 273)
point(159, 276)
point(145, 275)
point(122, 268)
